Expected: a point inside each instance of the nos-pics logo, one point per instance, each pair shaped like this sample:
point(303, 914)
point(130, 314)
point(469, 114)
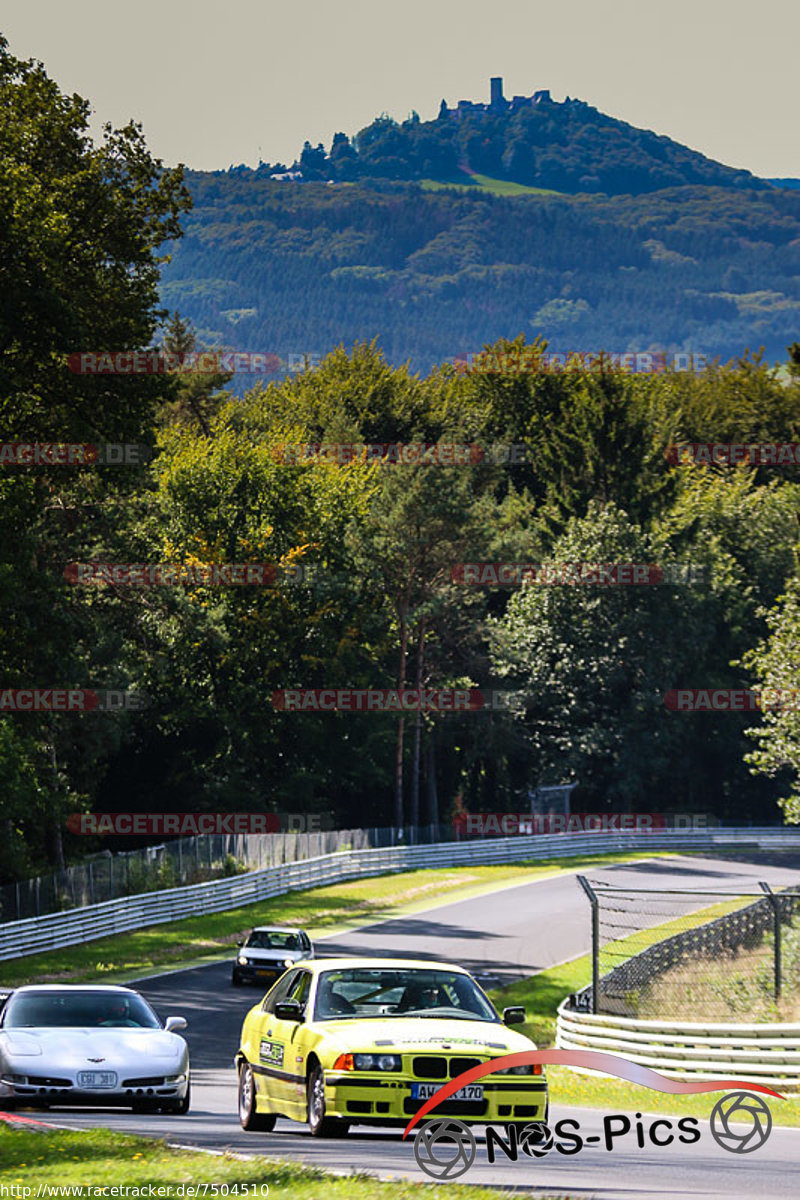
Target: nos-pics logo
point(446, 1148)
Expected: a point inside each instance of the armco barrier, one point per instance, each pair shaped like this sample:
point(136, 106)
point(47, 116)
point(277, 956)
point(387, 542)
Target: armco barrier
point(766, 1053)
point(18, 938)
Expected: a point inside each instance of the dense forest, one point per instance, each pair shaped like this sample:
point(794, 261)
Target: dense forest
point(299, 268)
point(584, 669)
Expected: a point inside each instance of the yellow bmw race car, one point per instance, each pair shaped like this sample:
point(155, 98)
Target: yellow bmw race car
point(368, 1040)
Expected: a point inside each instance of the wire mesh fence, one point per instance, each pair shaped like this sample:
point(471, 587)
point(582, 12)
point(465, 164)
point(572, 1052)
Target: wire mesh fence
point(687, 955)
point(190, 860)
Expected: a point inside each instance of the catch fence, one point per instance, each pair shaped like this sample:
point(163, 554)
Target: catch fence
point(716, 955)
point(190, 860)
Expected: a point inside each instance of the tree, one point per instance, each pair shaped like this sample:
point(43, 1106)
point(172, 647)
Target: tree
point(590, 665)
point(197, 396)
point(775, 664)
point(83, 227)
point(424, 520)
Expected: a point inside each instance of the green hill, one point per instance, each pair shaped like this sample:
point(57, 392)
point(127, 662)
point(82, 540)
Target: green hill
point(533, 141)
point(297, 268)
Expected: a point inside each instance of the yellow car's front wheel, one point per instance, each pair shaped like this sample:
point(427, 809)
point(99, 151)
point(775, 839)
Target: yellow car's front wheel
point(319, 1124)
point(248, 1117)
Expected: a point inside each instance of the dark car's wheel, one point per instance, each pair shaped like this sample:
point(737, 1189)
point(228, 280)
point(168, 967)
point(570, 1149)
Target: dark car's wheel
point(318, 1123)
point(179, 1108)
point(248, 1117)
point(236, 979)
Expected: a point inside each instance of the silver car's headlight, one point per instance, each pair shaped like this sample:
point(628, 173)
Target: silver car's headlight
point(8, 1078)
point(242, 961)
point(288, 962)
point(175, 1079)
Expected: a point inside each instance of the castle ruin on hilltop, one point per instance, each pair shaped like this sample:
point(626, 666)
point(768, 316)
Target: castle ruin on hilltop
point(498, 102)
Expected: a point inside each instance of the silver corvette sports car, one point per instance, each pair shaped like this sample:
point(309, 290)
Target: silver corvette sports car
point(81, 1044)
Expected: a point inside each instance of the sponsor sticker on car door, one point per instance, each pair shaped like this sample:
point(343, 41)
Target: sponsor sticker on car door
point(271, 1053)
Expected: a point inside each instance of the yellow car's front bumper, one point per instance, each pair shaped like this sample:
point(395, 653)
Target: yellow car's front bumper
point(378, 1098)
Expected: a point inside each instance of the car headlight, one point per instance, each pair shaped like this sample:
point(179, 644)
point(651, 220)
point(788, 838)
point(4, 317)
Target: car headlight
point(371, 1062)
point(522, 1069)
point(242, 961)
point(175, 1079)
point(288, 962)
point(8, 1078)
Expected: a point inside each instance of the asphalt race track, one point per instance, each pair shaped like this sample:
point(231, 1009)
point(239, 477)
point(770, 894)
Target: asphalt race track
point(502, 936)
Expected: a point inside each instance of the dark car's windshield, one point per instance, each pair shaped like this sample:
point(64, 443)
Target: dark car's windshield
point(28, 1010)
point(382, 992)
point(273, 939)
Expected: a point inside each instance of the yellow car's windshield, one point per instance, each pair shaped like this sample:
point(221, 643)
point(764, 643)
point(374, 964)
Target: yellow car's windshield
point(408, 992)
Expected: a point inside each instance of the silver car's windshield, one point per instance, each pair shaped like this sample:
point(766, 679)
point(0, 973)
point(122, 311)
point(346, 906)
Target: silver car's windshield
point(387, 992)
point(27, 1010)
point(260, 939)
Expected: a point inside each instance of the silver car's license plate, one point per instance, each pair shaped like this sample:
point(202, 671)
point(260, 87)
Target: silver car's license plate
point(424, 1091)
point(97, 1079)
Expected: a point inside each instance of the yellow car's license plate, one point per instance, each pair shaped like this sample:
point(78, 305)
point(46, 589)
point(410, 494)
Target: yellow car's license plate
point(423, 1091)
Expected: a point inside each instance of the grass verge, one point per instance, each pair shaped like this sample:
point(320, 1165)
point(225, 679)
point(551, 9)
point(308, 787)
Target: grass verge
point(324, 910)
point(732, 987)
point(568, 1089)
point(95, 1158)
point(485, 183)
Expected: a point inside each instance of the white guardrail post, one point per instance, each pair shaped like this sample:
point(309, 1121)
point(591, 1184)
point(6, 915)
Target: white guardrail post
point(51, 932)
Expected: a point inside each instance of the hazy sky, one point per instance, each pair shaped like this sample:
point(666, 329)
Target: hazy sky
point(216, 82)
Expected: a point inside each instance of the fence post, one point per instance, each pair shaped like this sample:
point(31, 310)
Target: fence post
point(776, 928)
point(592, 895)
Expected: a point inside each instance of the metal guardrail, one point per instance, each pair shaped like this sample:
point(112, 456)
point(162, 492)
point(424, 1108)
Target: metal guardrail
point(187, 860)
point(51, 932)
point(765, 1053)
